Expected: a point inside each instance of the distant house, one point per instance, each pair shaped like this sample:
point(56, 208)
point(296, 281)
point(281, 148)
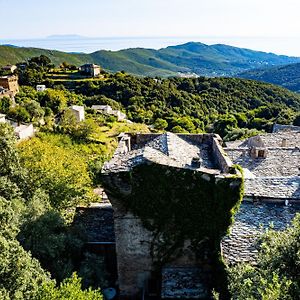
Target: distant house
point(2, 118)
point(24, 131)
point(40, 87)
point(90, 69)
point(103, 108)
point(106, 109)
point(78, 111)
point(9, 68)
point(10, 84)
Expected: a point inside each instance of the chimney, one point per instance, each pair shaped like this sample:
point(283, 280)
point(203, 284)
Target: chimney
point(196, 162)
point(284, 142)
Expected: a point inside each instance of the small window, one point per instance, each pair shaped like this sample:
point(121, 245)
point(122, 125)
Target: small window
point(261, 153)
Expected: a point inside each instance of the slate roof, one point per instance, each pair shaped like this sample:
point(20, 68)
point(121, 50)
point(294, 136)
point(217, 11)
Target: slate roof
point(273, 187)
point(183, 283)
point(279, 162)
point(97, 221)
point(166, 149)
point(272, 140)
point(250, 222)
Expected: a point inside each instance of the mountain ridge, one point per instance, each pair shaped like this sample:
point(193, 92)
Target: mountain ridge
point(191, 57)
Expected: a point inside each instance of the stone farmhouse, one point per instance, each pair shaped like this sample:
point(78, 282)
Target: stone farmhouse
point(119, 232)
point(9, 86)
point(192, 173)
point(90, 69)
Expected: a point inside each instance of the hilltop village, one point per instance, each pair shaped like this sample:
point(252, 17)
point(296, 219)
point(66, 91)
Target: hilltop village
point(145, 188)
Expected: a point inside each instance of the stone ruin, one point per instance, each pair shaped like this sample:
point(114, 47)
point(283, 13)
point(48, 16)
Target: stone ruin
point(172, 197)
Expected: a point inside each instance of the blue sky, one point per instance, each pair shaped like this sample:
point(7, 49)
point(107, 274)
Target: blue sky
point(123, 18)
point(40, 18)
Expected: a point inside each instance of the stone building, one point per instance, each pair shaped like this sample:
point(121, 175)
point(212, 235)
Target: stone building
point(272, 188)
point(106, 109)
point(78, 112)
point(41, 88)
point(10, 84)
point(172, 195)
point(90, 69)
point(9, 68)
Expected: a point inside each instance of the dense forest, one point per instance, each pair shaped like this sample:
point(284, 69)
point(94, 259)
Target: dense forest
point(234, 108)
point(231, 107)
point(287, 76)
point(43, 179)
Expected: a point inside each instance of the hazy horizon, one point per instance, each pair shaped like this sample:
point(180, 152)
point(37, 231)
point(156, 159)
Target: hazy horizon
point(270, 26)
point(84, 44)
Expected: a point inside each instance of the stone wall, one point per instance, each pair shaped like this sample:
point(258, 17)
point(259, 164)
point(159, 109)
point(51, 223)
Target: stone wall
point(133, 254)
point(224, 162)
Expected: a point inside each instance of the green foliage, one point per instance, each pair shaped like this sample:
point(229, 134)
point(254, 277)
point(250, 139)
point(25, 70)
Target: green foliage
point(297, 120)
point(190, 105)
point(56, 245)
point(68, 289)
point(277, 274)
point(60, 172)
point(19, 113)
point(78, 130)
point(225, 124)
point(24, 214)
point(160, 124)
point(287, 76)
point(5, 104)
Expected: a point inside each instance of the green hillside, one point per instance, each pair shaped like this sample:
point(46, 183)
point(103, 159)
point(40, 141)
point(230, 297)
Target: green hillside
point(228, 106)
point(198, 58)
point(287, 76)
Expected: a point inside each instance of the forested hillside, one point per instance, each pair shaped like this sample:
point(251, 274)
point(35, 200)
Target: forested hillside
point(230, 107)
point(286, 76)
point(198, 58)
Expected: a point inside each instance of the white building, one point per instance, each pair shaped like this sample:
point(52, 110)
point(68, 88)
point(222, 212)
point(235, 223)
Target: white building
point(103, 108)
point(78, 111)
point(40, 87)
point(2, 118)
point(24, 131)
point(106, 109)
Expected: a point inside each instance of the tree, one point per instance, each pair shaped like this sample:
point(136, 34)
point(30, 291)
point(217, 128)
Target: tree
point(160, 124)
point(69, 289)
point(5, 104)
point(62, 173)
point(56, 245)
point(19, 114)
point(225, 124)
point(297, 120)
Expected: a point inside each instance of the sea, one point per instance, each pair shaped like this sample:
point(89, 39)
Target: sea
point(284, 46)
